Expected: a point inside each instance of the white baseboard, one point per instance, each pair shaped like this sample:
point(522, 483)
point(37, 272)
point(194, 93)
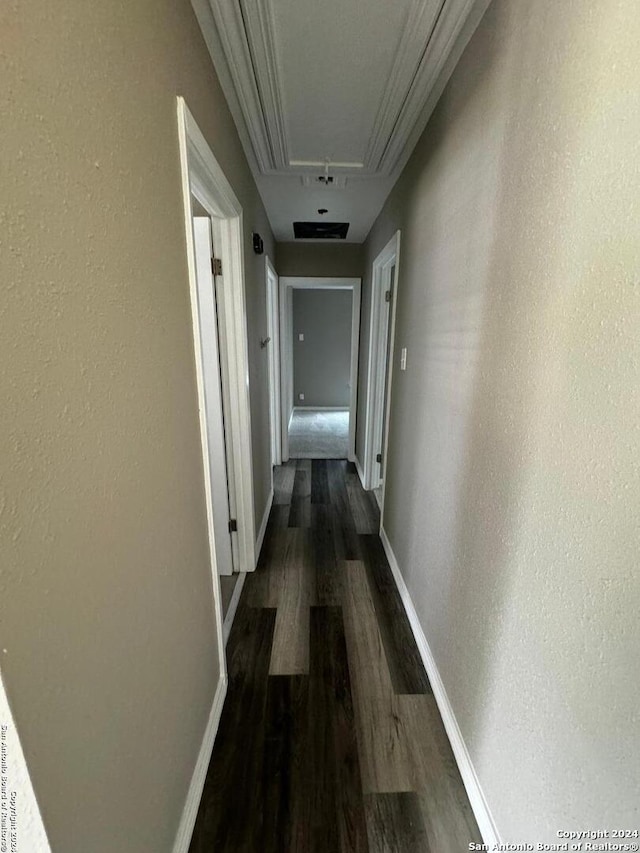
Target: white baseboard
point(263, 525)
point(192, 803)
point(484, 818)
point(359, 470)
point(233, 606)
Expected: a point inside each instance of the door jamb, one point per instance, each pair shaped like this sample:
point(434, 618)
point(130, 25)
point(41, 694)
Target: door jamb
point(203, 178)
point(215, 404)
point(377, 407)
point(273, 356)
point(287, 285)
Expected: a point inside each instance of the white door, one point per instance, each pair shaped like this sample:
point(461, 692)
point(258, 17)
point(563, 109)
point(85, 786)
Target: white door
point(387, 293)
point(384, 276)
point(272, 343)
point(213, 395)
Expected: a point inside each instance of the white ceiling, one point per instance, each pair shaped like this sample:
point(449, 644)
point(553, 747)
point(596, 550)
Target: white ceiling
point(343, 88)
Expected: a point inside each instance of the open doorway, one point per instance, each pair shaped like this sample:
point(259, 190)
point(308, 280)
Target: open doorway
point(320, 323)
point(381, 341)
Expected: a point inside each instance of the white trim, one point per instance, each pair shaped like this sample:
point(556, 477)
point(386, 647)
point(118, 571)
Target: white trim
point(286, 366)
point(355, 350)
point(185, 164)
point(260, 28)
point(359, 470)
point(287, 285)
point(233, 606)
point(194, 795)
point(377, 406)
point(203, 178)
point(243, 46)
point(273, 358)
point(417, 30)
point(416, 92)
point(483, 816)
point(224, 30)
point(348, 165)
point(263, 525)
point(212, 370)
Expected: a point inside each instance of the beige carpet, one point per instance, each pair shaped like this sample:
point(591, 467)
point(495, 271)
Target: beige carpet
point(314, 434)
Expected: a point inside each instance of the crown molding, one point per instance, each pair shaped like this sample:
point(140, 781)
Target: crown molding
point(242, 41)
point(451, 31)
point(231, 27)
point(217, 52)
point(260, 37)
point(411, 47)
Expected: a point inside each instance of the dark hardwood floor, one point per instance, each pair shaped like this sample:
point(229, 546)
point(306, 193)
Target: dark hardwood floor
point(330, 738)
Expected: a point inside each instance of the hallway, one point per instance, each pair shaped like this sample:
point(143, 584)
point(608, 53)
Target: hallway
point(330, 738)
point(187, 643)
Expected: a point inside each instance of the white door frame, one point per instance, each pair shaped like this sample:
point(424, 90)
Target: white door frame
point(216, 401)
point(203, 178)
point(287, 285)
point(273, 355)
point(378, 409)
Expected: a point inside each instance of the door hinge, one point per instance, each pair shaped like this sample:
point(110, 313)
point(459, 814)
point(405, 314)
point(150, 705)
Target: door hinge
point(233, 525)
point(378, 457)
point(387, 296)
point(216, 266)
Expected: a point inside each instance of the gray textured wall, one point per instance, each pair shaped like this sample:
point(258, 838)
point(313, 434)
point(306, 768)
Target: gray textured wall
point(320, 259)
point(513, 475)
point(106, 614)
point(322, 362)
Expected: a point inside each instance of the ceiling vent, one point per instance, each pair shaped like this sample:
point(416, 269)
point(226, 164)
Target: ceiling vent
point(332, 182)
point(320, 230)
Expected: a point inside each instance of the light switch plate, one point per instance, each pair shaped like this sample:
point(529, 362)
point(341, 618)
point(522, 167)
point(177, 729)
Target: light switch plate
point(403, 358)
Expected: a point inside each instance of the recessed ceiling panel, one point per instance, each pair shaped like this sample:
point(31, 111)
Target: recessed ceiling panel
point(340, 89)
point(334, 59)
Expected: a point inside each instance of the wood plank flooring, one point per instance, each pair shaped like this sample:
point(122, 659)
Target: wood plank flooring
point(330, 738)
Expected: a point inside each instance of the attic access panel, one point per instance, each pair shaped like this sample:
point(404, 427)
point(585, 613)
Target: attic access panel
point(320, 230)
